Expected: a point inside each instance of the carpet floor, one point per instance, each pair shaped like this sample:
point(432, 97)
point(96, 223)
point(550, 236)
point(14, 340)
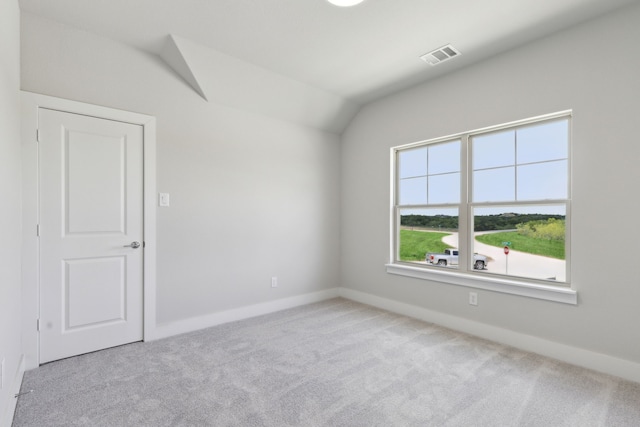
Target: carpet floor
point(334, 363)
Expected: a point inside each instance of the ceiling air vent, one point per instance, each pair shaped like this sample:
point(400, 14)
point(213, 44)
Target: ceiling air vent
point(439, 55)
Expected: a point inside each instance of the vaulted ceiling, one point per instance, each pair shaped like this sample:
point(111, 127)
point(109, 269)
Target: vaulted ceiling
point(347, 55)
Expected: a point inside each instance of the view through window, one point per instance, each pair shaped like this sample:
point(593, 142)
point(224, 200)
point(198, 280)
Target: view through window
point(494, 201)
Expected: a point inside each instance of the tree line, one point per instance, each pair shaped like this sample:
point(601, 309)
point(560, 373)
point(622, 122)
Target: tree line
point(505, 221)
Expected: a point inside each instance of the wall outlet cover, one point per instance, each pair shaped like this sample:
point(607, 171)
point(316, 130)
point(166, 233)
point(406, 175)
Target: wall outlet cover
point(473, 298)
point(164, 200)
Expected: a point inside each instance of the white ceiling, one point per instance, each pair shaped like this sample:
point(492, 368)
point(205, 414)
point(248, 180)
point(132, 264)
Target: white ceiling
point(359, 53)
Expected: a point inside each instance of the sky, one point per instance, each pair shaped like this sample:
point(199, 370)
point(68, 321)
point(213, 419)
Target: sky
point(524, 164)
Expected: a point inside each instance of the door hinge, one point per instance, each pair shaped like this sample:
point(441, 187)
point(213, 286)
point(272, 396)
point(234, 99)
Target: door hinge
point(37, 135)
point(37, 230)
point(38, 325)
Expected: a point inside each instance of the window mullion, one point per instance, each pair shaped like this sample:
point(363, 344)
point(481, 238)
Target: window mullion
point(515, 165)
point(464, 226)
point(428, 195)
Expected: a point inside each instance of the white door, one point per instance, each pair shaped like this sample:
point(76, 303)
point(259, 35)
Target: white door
point(91, 223)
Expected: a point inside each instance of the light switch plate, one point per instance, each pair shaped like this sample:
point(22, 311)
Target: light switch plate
point(163, 200)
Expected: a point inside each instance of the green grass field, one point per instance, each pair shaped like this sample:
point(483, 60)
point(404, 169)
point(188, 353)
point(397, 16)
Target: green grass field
point(415, 244)
point(550, 248)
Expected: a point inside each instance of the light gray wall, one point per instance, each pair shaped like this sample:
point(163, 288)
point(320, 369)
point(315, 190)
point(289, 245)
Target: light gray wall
point(251, 196)
point(592, 69)
point(10, 211)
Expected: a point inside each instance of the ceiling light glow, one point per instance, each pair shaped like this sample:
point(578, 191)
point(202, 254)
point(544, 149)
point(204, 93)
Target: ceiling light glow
point(345, 3)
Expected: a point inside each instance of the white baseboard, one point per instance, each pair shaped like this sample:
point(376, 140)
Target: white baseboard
point(574, 355)
point(6, 418)
point(214, 319)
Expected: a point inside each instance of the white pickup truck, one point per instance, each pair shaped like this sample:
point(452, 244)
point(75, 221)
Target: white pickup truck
point(450, 257)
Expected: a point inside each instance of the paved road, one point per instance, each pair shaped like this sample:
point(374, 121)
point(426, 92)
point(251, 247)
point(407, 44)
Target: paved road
point(516, 263)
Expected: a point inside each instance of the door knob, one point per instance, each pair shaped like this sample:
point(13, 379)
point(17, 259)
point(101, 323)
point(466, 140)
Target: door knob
point(134, 245)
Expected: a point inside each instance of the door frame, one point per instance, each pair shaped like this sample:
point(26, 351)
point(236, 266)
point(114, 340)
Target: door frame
point(31, 102)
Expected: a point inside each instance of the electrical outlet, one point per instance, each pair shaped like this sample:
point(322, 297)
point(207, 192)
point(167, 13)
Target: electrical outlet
point(164, 200)
point(274, 282)
point(473, 298)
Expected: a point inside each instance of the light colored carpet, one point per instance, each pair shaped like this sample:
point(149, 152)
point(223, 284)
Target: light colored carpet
point(335, 363)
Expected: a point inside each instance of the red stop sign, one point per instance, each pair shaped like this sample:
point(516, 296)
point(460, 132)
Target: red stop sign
point(506, 250)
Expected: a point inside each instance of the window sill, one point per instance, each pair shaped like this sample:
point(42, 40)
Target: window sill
point(490, 283)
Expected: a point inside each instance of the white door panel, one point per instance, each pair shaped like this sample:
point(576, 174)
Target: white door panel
point(94, 162)
point(91, 207)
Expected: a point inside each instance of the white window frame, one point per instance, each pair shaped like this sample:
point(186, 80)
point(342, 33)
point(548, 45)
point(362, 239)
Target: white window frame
point(464, 275)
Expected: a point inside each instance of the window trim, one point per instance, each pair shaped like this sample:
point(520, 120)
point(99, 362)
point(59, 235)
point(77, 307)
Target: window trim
point(528, 287)
point(511, 286)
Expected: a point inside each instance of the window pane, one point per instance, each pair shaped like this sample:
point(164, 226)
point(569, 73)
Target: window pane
point(428, 231)
point(543, 181)
point(444, 188)
point(413, 191)
point(494, 150)
point(444, 158)
point(494, 185)
point(547, 141)
point(535, 236)
point(412, 162)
